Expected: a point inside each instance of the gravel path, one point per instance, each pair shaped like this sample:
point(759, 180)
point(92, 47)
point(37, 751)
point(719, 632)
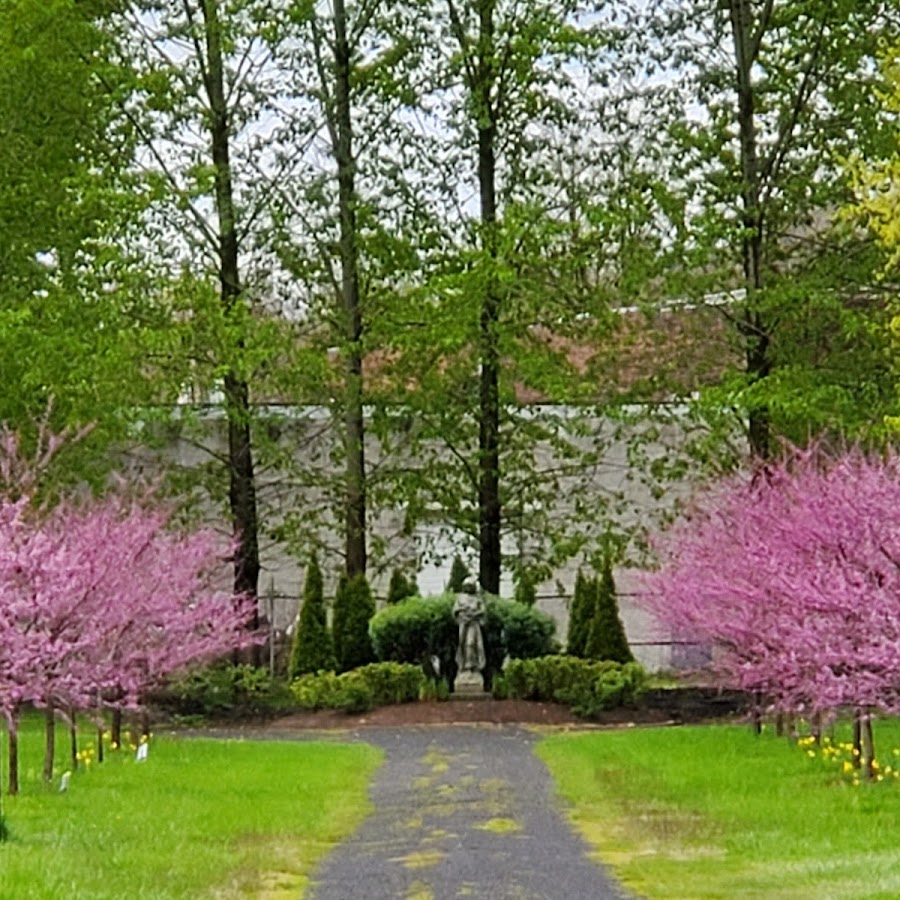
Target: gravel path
point(461, 811)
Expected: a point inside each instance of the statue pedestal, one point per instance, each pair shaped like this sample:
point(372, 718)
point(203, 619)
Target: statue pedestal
point(469, 686)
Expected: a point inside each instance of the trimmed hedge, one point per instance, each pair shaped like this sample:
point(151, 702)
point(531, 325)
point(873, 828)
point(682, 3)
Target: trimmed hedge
point(588, 687)
point(377, 684)
point(416, 629)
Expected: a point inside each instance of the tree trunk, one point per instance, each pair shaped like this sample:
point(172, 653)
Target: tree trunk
point(13, 743)
point(73, 740)
point(857, 737)
point(867, 748)
point(100, 748)
point(354, 426)
point(115, 728)
point(242, 485)
point(753, 326)
point(756, 714)
point(489, 508)
point(49, 742)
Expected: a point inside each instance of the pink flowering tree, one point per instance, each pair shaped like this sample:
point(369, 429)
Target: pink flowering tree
point(792, 575)
point(100, 598)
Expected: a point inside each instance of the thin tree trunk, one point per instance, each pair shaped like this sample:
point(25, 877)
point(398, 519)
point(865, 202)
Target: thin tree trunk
point(489, 507)
point(242, 485)
point(115, 737)
point(354, 426)
point(49, 742)
point(754, 328)
point(857, 737)
point(756, 714)
point(13, 744)
point(815, 727)
point(867, 746)
point(100, 748)
point(73, 739)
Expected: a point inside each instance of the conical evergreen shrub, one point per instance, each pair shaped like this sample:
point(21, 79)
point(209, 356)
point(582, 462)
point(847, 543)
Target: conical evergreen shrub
point(312, 649)
point(353, 608)
point(459, 575)
point(606, 634)
point(581, 612)
point(401, 587)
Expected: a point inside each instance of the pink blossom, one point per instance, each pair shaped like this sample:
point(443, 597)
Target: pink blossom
point(793, 577)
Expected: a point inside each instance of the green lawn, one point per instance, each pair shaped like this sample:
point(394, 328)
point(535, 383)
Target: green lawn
point(717, 812)
point(199, 818)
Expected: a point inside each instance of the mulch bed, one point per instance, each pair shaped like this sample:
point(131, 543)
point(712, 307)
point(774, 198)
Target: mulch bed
point(453, 712)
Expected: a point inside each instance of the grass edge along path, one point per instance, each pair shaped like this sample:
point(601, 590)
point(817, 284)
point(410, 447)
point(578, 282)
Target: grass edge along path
point(717, 812)
point(199, 818)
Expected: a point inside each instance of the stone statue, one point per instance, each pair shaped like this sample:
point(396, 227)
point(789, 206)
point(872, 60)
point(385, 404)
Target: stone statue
point(468, 610)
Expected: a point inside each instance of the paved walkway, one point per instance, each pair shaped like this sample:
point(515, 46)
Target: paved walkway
point(462, 811)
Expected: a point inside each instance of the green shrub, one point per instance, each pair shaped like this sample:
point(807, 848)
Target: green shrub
point(415, 630)
point(588, 687)
point(223, 689)
point(499, 687)
point(392, 682)
point(312, 649)
point(377, 684)
point(526, 632)
point(317, 690)
point(353, 609)
point(606, 634)
point(435, 689)
point(401, 587)
point(354, 694)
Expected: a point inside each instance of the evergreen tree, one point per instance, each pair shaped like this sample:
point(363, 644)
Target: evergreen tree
point(401, 587)
point(459, 574)
point(353, 608)
point(312, 649)
point(581, 613)
point(605, 633)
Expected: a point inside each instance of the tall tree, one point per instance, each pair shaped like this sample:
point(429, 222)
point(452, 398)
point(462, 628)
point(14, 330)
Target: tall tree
point(72, 327)
point(342, 236)
point(242, 485)
point(766, 98)
point(474, 340)
point(202, 89)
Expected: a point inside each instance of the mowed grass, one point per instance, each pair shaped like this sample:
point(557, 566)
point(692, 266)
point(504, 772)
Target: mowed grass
point(199, 818)
point(718, 812)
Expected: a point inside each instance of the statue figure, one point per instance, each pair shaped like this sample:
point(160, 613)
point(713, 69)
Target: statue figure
point(468, 610)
